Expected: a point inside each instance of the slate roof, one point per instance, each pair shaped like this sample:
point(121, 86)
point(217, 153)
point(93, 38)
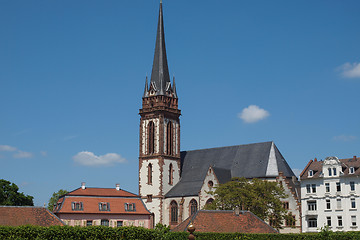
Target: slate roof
point(317, 166)
point(160, 71)
point(37, 216)
point(225, 221)
point(249, 161)
point(91, 197)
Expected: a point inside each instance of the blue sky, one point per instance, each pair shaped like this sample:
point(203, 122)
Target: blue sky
point(72, 74)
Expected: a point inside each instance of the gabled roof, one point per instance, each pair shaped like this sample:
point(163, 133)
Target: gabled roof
point(257, 160)
point(37, 216)
point(225, 221)
point(317, 166)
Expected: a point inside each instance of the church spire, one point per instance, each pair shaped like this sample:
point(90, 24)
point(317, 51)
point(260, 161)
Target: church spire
point(160, 71)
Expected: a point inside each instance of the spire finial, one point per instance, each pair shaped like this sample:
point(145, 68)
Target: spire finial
point(160, 71)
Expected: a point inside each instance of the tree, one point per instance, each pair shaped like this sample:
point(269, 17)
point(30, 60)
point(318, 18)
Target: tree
point(10, 196)
point(55, 197)
point(260, 197)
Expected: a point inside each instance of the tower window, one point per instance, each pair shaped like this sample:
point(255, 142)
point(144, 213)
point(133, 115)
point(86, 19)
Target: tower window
point(150, 174)
point(193, 206)
point(169, 138)
point(171, 176)
point(151, 137)
point(173, 212)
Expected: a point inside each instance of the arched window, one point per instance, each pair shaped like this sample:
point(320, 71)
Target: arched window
point(169, 138)
point(173, 212)
point(151, 137)
point(193, 206)
point(209, 201)
point(150, 173)
point(171, 175)
point(329, 171)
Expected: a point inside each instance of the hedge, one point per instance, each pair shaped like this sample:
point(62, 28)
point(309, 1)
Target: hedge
point(132, 233)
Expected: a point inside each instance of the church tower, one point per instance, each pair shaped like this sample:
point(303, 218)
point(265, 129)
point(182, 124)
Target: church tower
point(159, 149)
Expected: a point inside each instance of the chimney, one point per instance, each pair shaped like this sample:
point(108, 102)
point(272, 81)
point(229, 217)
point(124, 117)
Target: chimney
point(237, 211)
point(83, 185)
point(354, 158)
point(117, 186)
point(315, 159)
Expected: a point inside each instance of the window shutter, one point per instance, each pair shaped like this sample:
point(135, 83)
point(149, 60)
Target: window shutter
point(108, 206)
point(72, 205)
point(99, 206)
point(81, 206)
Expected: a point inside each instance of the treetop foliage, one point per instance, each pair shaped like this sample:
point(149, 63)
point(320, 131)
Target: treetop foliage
point(55, 197)
point(9, 195)
point(263, 198)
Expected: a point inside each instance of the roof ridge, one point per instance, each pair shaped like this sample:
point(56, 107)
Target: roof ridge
point(228, 146)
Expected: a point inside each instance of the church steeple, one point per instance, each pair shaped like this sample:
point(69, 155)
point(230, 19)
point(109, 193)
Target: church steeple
point(160, 79)
point(159, 147)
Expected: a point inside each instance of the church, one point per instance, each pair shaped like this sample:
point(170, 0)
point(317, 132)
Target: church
point(174, 184)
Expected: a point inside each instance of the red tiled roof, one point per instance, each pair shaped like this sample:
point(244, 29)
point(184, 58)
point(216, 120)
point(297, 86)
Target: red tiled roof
point(225, 221)
point(17, 216)
point(104, 192)
point(316, 167)
point(91, 205)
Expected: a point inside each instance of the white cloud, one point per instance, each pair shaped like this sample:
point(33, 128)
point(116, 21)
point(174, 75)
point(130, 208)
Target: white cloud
point(344, 138)
point(43, 153)
point(252, 114)
point(7, 148)
point(350, 70)
point(90, 159)
point(22, 154)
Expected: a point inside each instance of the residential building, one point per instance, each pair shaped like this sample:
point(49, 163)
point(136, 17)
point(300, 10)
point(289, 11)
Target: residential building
point(224, 221)
point(330, 191)
point(26, 215)
point(112, 207)
point(175, 184)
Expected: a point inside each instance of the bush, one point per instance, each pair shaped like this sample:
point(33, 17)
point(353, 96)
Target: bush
point(160, 233)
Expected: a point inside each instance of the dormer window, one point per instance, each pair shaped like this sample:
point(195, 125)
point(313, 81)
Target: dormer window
point(104, 206)
point(330, 172)
point(334, 170)
point(311, 173)
point(77, 206)
point(351, 170)
point(130, 207)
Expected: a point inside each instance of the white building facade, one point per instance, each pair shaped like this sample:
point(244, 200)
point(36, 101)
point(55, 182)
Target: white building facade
point(330, 191)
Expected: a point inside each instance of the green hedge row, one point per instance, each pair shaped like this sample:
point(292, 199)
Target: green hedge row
point(129, 233)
